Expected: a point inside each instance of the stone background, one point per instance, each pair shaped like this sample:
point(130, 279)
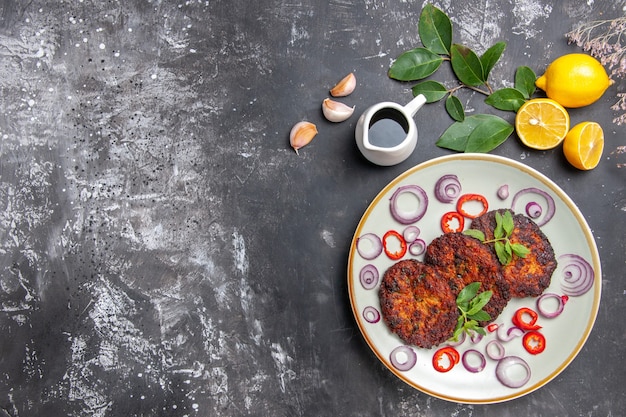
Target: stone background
point(164, 252)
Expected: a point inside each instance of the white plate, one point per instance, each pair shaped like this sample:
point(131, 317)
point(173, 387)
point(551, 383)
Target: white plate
point(567, 231)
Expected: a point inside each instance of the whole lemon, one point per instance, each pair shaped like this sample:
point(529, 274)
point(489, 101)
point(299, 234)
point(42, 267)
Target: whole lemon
point(574, 80)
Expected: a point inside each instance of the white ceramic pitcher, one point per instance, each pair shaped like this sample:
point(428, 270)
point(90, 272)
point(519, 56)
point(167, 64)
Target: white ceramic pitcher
point(398, 148)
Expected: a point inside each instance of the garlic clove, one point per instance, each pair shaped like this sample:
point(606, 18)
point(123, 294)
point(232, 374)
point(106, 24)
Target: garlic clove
point(301, 134)
point(335, 111)
point(344, 87)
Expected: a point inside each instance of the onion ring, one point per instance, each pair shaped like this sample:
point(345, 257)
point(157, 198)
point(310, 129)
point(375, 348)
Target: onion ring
point(371, 315)
point(411, 233)
point(374, 249)
point(417, 213)
point(533, 210)
point(369, 276)
point(496, 356)
point(447, 188)
point(467, 360)
point(417, 247)
point(506, 335)
point(403, 363)
point(550, 313)
point(505, 364)
point(578, 275)
point(550, 209)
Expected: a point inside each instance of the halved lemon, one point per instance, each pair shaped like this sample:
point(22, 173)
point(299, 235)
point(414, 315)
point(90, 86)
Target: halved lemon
point(542, 123)
point(584, 144)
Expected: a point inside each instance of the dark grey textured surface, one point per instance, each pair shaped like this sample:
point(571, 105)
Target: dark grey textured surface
point(164, 252)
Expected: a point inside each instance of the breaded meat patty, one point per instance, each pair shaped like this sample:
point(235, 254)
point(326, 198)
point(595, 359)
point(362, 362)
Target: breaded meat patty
point(529, 276)
point(461, 260)
point(417, 304)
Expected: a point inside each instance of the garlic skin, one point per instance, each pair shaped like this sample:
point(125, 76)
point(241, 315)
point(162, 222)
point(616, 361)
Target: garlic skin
point(344, 87)
point(301, 134)
point(335, 111)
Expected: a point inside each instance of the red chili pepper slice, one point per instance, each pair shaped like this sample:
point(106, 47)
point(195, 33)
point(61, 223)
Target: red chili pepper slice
point(526, 319)
point(465, 198)
point(400, 252)
point(534, 342)
point(492, 327)
point(449, 217)
point(452, 357)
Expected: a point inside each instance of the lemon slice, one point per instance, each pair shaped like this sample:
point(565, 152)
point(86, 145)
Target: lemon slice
point(583, 145)
point(541, 123)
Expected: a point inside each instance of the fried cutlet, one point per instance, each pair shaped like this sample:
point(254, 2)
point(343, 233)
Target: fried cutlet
point(529, 276)
point(417, 304)
point(462, 260)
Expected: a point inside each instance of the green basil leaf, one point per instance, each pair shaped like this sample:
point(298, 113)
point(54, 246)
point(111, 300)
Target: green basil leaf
point(466, 65)
point(498, 231)
point(475, 233)
point(508, 99)
point(491, 57)
point(507, 222)
point(435, 30)
point(415, 64)
point(525, 81)
point(484, 297)
point(455, 136)
point(507, 248)
point(488, 135)
point(455, 108)
point(479, 316)
point(501, 252)
point(520, 250)
point(479, 302)
point(471, 325)
point(480, 330)
point(458, 329)
point(468, 292)
point(432, 90)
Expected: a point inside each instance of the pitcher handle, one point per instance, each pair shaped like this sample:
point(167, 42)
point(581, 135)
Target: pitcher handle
point(415, 104)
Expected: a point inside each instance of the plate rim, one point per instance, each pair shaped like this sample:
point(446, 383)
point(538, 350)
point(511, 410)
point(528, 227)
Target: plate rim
point(556, 189)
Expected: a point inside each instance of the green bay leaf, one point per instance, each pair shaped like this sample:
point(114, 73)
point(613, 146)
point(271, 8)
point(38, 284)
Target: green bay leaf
point(488, 135)
point(508, 99)
point(432, 90)
point(525, 81)
point(455, 108)
point(435, 30)
point(466, 65)
point(491, 57)
point(415, 64)
point(455, 136)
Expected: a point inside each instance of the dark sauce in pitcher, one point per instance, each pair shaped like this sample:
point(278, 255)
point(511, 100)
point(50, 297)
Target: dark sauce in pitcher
point(388, 128)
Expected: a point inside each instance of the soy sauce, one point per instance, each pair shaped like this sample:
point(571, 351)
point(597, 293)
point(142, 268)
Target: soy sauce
point(388, 128)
